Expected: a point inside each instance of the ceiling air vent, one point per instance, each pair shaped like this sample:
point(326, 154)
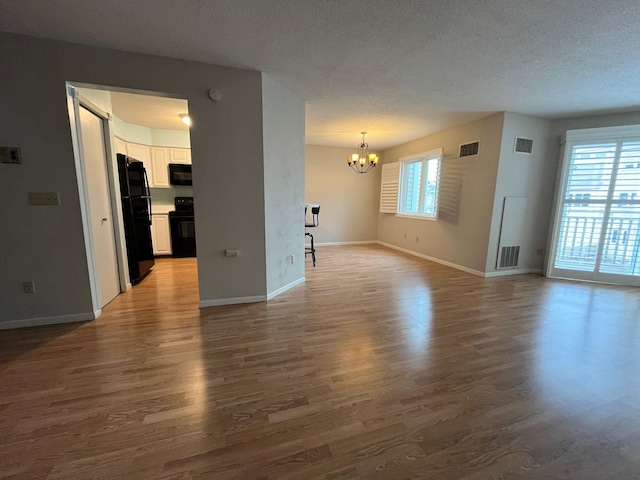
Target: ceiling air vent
point(524, 145)
point(469, 149)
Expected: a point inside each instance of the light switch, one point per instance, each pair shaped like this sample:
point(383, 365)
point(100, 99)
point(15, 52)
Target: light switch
point(10, 155)
point(44, 198)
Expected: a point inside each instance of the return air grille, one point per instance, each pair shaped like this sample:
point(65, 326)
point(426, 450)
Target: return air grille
point(524, 145)
point(469, 149)
point(509, 257)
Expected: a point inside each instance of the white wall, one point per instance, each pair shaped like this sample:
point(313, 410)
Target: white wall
point(283, 144)
point(131, 132)
point(462, 241)
point(531, 176)
point(170, 138)
point(100, 98)
point(349, 202)
point(45, 244)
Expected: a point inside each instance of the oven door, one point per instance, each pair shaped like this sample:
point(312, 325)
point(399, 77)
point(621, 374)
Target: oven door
point(183, 236)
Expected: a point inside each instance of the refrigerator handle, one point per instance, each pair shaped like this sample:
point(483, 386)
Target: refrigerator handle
point(147, 193)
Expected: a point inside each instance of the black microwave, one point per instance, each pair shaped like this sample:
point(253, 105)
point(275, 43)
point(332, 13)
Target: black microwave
point(180, 174)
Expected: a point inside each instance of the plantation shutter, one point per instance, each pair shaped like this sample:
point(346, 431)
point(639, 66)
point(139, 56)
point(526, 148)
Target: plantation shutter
point(389, 187)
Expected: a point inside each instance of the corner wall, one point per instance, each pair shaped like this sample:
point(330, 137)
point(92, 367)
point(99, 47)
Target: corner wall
point(283, 144)
point(45, 244)
point(463, 241)
point(531, 176)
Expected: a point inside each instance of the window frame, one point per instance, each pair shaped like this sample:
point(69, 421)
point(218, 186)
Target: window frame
point(424, 158)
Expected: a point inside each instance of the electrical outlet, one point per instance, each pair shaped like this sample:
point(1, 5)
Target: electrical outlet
point(29, 287)
point(10, 155)
point(231, 253)
point(292, 258)
point(44, 198)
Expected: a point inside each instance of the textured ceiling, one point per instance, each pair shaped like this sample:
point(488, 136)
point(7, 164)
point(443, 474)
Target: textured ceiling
point(399, 69)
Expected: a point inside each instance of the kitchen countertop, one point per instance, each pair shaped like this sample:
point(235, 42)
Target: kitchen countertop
point(162, 209)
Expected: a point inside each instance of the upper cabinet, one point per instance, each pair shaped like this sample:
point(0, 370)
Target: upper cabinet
point(156, 159)
point(160, 160)
point(179, 155)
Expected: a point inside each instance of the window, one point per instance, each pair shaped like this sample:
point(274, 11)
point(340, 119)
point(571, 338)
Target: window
point(420, 184)
point(596, 232)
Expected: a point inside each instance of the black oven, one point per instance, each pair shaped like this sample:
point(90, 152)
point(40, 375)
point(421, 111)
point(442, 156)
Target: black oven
point(180, 174)
point(183, 228)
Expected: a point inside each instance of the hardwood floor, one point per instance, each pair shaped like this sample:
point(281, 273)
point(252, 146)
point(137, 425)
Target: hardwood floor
point(380, 366)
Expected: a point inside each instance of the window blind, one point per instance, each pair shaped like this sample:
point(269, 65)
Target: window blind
point(389, 187)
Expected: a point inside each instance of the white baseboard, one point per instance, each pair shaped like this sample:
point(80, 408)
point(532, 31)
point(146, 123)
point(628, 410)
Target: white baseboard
point(36, 322)
point(232, 301)
point(330, 244)
point(515, 271)
point(435, 260)
point(277, 292)
point(499, 273)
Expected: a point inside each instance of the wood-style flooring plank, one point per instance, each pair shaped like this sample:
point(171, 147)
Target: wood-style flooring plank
point(380, 366)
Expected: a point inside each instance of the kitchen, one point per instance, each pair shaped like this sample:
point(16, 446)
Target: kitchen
point(152, 130)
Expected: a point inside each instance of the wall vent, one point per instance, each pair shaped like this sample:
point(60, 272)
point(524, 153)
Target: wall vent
point(509, 257)
point(524, 145)
point(469, 149)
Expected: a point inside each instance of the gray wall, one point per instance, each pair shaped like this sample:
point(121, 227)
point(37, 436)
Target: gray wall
point(561, 125)
point(349, 202)
point(463, 242)
point(531, 176)
point(45, 244)
point(283, 144)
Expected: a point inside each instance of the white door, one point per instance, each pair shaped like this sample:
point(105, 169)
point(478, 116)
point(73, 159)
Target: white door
point(100, 215)
point(597, 228)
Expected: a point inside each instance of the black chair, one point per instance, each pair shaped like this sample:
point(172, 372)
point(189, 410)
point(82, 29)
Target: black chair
point(315, 212)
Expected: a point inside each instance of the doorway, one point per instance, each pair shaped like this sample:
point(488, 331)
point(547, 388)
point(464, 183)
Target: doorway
point(142, 129)
point(596, 233)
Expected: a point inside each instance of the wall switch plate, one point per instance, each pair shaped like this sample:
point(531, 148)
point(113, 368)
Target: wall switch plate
point(44, 198)
point(231, 253)
point(10, 155)
point(29, 287)
point(292, 258)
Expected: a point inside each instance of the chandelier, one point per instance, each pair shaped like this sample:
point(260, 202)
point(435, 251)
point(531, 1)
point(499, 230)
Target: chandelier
point(362, 161)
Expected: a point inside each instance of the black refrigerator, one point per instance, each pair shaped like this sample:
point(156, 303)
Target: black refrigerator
point(136, 210)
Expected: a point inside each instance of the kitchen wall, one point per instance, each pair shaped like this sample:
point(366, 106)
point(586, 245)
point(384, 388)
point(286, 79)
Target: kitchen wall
point(529, 176)
point(283, 144)
point(349, 202)
point(165, 196)
point(462, 239)
point(46, 244)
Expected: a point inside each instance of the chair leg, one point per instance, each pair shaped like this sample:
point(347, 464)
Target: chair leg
point(313, 251)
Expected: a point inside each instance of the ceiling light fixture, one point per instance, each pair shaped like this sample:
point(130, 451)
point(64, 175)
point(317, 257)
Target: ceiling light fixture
point(362, 161)
point(185, 119)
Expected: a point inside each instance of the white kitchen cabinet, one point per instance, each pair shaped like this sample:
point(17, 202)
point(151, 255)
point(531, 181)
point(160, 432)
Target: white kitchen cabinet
point(160, 234)
point(160, 166)
point(179, 155)
point(142, 153)
point(121, 145)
